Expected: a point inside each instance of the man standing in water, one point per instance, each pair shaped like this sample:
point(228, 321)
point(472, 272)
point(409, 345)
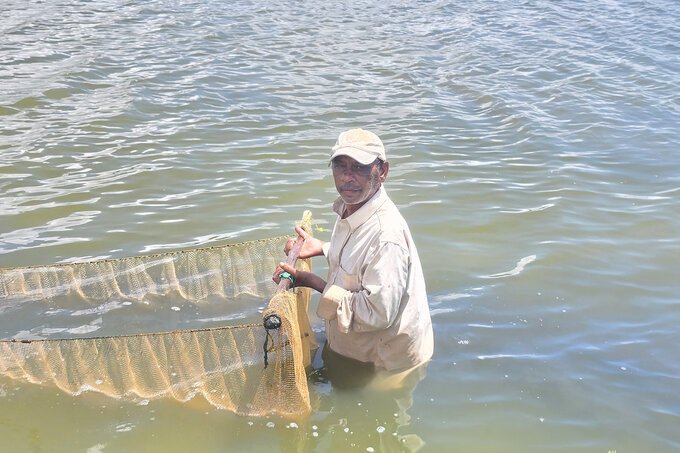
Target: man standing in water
point(374, 300)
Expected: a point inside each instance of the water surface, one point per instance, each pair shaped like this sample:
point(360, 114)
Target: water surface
point(533, 149)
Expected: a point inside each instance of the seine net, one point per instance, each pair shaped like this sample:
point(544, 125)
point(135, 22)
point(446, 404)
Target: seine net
point(244, 368)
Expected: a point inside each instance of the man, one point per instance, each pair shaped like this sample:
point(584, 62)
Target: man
point(374, 300)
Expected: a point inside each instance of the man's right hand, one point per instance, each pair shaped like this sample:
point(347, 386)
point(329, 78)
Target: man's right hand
point(311, 247)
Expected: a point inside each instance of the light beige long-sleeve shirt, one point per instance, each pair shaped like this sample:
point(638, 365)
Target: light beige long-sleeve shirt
point(375, 301)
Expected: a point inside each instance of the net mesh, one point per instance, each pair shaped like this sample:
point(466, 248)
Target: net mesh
point(225, 364)
point(225, 271)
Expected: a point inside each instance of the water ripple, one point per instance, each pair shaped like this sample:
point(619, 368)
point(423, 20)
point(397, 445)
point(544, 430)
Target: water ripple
point(515, 130)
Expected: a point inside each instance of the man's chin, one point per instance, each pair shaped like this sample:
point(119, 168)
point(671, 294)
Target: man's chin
point(351, 200)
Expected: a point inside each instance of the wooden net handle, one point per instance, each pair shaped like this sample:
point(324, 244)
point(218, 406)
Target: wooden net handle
point(293, 254)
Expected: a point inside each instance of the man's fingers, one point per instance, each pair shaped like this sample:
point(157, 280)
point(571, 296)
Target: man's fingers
point(301, 232)
point(285, 267)
point(282, 267)
point(288, 246)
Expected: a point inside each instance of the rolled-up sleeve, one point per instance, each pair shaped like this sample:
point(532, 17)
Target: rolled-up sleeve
point(375, 305)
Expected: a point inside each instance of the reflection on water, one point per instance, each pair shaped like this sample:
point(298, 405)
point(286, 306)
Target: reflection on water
point(369, 420)
point(533, 151)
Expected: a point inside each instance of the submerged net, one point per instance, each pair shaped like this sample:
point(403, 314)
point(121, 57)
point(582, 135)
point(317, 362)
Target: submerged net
point(243, 368)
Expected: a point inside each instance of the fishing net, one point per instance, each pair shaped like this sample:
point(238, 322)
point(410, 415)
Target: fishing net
point(255, 368)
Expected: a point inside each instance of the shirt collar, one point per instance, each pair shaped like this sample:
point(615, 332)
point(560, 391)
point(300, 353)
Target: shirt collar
point(364, 212)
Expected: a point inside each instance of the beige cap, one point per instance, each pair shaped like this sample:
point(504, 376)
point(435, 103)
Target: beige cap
point(362, 146)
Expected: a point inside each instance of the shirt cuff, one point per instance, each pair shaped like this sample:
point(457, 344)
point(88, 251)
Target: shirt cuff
point(336, 303)
point(325, 247)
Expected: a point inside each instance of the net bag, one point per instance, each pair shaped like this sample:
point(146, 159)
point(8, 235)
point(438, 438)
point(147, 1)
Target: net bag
point(252, 369)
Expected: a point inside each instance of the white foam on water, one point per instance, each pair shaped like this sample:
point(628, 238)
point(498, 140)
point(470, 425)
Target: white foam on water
point(99, 448)
point(125, 427)
point(99, 310)
point(521, 264)
point(439, 311)
point(85, 329)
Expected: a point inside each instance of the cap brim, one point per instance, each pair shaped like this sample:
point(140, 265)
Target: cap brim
point(361, 156)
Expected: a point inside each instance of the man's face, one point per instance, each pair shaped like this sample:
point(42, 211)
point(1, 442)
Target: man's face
point(356, 183)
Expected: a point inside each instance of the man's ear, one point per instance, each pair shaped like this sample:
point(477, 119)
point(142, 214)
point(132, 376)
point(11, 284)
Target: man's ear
point(383, 171)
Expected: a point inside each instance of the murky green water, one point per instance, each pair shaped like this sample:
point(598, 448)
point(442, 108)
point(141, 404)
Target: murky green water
point(534, 150)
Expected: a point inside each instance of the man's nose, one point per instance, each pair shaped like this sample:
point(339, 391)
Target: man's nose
point(347, 174)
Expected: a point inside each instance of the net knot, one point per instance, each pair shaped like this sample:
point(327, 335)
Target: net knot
point(271, 322)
